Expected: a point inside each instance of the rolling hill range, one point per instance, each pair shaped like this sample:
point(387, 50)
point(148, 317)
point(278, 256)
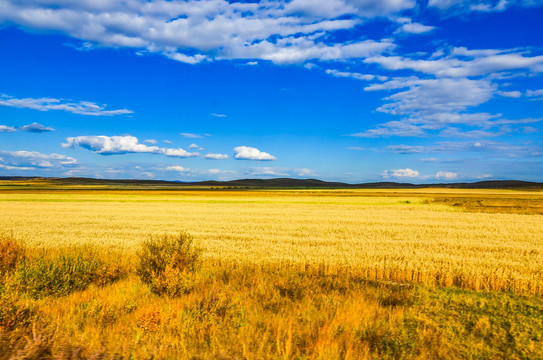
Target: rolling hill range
point(279, 183)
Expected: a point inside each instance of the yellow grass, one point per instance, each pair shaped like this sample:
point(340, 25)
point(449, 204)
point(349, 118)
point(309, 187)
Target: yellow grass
point(384, 235)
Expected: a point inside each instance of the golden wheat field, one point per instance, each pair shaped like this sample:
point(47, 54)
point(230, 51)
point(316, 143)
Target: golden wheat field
point(395, 235)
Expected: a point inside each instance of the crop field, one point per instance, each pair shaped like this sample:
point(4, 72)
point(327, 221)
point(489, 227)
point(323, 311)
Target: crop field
point(283, 274)
point(398, 236)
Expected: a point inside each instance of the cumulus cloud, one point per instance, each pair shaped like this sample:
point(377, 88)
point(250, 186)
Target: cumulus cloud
point(46, 104)
point(212, 156)
point(110, 145)
point(36, 128)
point(33, 160)
point(150, 141)
point(193, 146)
point(5, 128)
point(400, 173)
point(251, 153)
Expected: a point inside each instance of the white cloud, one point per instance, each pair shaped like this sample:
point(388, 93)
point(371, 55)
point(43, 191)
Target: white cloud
point(150, 141)
point(304, 172)
point(109, 145)
point(148, 174)
point(177, 168)
point(185, 58)
point(176, 152)
point(510, 94)
point(311, 66)
point(36, 128)
point(191, 135)
point(267, 171)
point(490, 148)
point(446, 175)
point(167, 142)
point(355, 75)
point(193, 146)
point(414, 28)
point(46, 104)
point(251, 153)
point(186, 172)
point(218, 115)
point(392, 128)
point(462, 62)
point(211, 156)
point(481, 5)
point(535, 93)
point(5, 128)
point(435, 95)
point(428, 105)
point(194, 31)
point(472, 134)
point(29, 160)
point(400, 173)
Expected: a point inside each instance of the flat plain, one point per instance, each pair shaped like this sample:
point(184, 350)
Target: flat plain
point(405, 248)
point(395, 235)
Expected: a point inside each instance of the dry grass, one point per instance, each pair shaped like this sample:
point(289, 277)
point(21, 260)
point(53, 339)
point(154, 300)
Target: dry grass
point(273, 312)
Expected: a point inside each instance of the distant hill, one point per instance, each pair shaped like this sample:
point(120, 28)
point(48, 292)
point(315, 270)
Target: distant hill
point(278, 183)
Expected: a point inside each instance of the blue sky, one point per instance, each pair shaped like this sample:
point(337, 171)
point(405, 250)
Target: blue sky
point(343, 90)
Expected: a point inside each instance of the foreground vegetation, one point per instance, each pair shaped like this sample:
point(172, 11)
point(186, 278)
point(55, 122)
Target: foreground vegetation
point(166, 301)
point(314, 274)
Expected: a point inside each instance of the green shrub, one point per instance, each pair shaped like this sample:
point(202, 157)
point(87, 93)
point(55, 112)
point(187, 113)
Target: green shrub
point(167, 264)
point(62, 273)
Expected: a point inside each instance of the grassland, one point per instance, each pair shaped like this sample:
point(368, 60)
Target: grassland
point(298, 274)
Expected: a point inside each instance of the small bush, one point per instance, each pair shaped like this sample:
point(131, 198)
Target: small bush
point(62, 274)
point(10, 255)
point(167, 264)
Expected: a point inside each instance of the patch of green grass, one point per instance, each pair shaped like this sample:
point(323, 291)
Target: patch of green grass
point(62, 273)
